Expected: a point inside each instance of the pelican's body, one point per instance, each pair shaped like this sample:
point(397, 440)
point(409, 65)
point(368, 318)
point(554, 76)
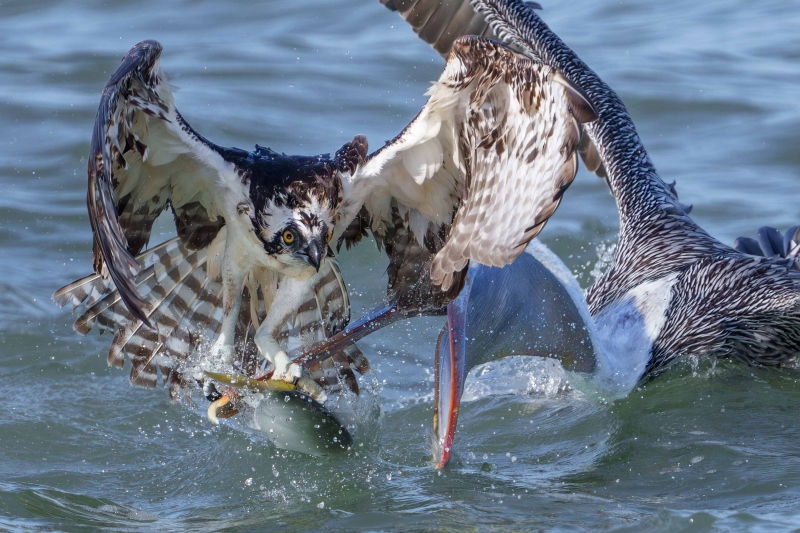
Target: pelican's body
point(672, 289)
point(694, 293)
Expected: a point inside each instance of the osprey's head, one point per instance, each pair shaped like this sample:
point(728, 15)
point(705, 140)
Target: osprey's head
point(295, 200)
point(296, 225)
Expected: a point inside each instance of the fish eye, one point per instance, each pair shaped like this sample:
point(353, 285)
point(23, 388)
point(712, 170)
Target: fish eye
point(288, 236)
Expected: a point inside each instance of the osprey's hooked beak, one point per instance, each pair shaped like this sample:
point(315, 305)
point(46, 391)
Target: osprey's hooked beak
point(312, 253)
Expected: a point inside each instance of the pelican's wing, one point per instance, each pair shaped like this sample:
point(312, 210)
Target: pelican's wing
point(489, 156)
point(144, 156)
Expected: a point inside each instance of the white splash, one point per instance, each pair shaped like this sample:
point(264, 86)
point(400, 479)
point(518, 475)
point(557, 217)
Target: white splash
point(520, 375)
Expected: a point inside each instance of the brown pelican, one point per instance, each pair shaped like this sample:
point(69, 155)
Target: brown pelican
point(672, 289)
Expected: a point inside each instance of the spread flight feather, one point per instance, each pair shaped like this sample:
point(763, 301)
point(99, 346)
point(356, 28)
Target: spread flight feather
point(488, 157)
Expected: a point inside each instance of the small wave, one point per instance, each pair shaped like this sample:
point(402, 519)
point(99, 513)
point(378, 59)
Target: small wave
point(18, 304)
point(36, 503)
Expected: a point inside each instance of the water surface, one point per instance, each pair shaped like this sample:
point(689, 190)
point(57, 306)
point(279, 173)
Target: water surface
point(713, 89)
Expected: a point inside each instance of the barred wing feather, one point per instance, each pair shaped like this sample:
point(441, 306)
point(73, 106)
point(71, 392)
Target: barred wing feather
point(144, 157)
point(440, 23)
point(490, 154)
point(182, 296)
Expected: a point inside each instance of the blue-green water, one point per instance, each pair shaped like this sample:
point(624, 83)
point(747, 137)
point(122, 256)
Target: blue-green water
point(712, 87)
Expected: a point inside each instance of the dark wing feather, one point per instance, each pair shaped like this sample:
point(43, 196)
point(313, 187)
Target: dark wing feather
point(440, 23)
point(410, 261)
point(144, 157)
point(495, 144)
point(770, 243)
point(449, 20)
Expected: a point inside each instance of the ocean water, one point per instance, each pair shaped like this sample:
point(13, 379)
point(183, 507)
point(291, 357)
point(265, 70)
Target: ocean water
point(712, 87)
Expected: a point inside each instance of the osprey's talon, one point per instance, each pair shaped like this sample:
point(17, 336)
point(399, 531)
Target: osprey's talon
point(285, 369)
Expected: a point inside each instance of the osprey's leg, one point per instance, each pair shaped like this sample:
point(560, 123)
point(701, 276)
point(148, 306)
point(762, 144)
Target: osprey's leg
point(285, 369)
point(284, 307)
point(232, 286)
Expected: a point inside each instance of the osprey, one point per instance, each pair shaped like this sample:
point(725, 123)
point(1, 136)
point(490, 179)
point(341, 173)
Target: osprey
point(475, 176)
point(252, 227)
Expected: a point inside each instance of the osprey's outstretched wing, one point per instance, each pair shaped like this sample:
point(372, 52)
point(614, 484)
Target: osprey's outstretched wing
point(144, 157)
point(440, 22)
point(488, 157)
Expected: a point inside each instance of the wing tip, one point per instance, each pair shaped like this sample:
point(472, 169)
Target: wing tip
point(63, 295)
point(148, 50)
point(769, 242)
point(141, 56)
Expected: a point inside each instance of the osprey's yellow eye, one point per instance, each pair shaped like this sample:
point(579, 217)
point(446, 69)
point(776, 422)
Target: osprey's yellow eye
point(329, 236)
point(288, 237)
